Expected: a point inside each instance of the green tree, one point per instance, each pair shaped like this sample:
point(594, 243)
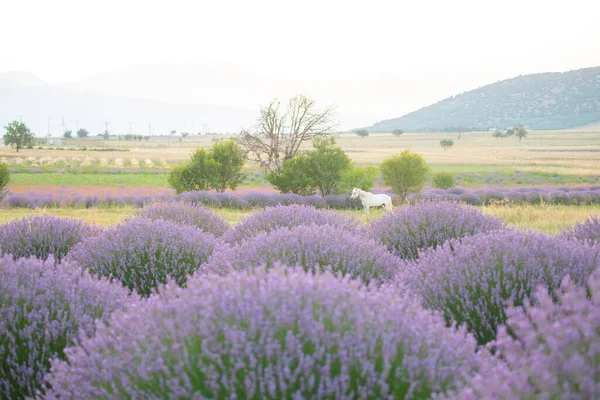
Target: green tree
point(219, 169)
point(327, 163)
point(18, 135)
point(362, 132)
point(397, 132)
point(106, 135)
point(510, 132)
point(354, 176)
point(68, 134)
point(497, 134)
point(82, 133)
point(446, 143)
point(520, 131)
point(229, 159)
point(294, 176)
point(404, 173)
point(443, 180)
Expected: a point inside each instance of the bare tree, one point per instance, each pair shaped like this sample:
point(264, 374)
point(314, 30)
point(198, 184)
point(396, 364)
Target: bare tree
point(278, 134)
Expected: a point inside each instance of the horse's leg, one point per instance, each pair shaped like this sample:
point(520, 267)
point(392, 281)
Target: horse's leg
point(367, 209)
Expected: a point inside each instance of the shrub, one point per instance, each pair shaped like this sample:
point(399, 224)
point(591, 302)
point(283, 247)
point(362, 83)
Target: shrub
point(4, 177)
point(294, 176)
point(446, 143)
point(443, 180)
point(272, 218)
point(412, 228)
point(143, 253)
point(588, 231)
point(547, 351)
point(397, 132)
point(278, 335)
point(316, 248)
point(404, 173)
point(184, 213)
point(41, 235)
point(355, 176)
point(362, 132)
point(471, 282)
point(42, 308)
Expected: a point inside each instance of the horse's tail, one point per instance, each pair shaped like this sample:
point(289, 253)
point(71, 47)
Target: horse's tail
point(389, 206)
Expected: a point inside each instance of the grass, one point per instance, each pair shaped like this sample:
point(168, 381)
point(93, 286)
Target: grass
point(545, 219)
point(90, 179)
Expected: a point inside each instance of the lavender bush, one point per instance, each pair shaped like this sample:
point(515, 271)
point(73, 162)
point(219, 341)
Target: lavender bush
point(42, 235)
point(279, 335)
point(471, 281)
point(315, 247)
point(429, 224)
point(551, 352)
point(187, 214)
point(42, 307)
point(272, 218)
point(587, 232)
point(143, 253)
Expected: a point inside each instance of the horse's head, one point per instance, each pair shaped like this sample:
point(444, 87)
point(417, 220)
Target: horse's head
point(355, 193)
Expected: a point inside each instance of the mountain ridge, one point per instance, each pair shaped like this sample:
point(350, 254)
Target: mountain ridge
point(549, 100)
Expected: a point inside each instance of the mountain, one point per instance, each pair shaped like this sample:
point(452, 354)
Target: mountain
point(22, 78)
point(33, 101)
point(538, 101)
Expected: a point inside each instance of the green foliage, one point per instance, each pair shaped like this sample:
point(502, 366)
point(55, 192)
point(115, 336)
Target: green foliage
point(397, 132)
point(362, 132)
point(68, 134)
point(355, 176)
point(446, 143)
point(510, 132)
point(219, 169)
point(4, 177)
point(404, 173)
point(327, 163)
point(82, 133)
point(497, 134)
point(520, 131)
point(443, 180)
point(18, 136)
point(318, 170)
point(295, 176)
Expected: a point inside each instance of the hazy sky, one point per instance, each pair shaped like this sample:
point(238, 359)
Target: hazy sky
point(426, 50)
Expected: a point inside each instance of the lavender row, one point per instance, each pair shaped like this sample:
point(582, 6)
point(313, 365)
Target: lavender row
point(537, 195)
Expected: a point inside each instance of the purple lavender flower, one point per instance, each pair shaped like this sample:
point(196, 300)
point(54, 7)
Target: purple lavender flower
point(471, 281)
point(429, 224)
point(315, 247)
point(587, 232)
point(278, 335)
point(143, 253)
point(42, 235)
point(42, 308)
point(187, 214)
point(272, 218)
point(547, 351)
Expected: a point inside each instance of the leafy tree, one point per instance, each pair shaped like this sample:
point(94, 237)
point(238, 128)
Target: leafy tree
point(68, 134)
point(510, 132)
point(82, 133)
point(147, 138)
point(278, 134)
point(443, 180)
point(446, 143)
point(327, 163)
point(229, 159)
point(218, 169)
point(355, 176)
point(106, 135)
point(497, 134)
point(185, 134)
point(404, 173)
point(295, 176)
point(520, 131)
point(397, 132)
point(362, 132)
point(18, 135)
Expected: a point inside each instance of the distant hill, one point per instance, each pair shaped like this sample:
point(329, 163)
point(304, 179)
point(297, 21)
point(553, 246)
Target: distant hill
point(538, 101)
point(23, 96)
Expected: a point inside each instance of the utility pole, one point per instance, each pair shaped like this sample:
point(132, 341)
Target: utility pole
point(49, 126)
point(130, 127)
point(64, 127)
point(20, 117)
point(106, 126)
point(77, 124)
point(150, 128)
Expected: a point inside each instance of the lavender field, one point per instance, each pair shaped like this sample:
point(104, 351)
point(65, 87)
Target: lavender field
point(435, 300)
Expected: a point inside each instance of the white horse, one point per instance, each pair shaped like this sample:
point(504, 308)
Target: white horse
point(369, 199)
